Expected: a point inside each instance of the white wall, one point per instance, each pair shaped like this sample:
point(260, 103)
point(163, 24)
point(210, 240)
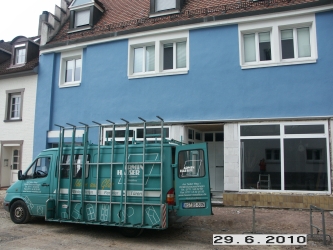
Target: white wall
point(231, 157)
point(24, 129)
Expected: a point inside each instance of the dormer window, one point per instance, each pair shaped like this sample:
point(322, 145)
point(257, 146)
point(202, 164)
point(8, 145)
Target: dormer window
point(23, 50)
point(84, 14)
point(20, 54)
point(165, 7)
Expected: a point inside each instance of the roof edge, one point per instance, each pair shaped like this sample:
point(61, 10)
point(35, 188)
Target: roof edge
point(188, 22)
point(30, 72)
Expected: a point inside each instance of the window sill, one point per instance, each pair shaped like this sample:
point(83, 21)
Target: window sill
point(18, 65)
point(154, 74)
point(13, 120)
point(281, 63)
point(79, 29)
point(69, 84)
point(164, 13)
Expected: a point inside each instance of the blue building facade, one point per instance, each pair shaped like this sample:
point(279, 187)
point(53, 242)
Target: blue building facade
point(264, 108)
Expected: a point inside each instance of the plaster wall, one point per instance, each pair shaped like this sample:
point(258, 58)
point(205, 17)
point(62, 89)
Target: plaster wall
point(21, 130)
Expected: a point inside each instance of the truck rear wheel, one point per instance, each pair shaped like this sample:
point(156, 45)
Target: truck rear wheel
point(131, 232)
point(19, 212)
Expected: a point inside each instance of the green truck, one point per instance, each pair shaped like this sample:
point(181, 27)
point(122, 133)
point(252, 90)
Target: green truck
point(133, 184)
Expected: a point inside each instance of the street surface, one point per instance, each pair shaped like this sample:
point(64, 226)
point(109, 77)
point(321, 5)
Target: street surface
point(195, 233)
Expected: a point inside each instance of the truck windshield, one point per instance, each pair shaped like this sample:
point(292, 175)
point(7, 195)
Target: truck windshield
point(39, 169)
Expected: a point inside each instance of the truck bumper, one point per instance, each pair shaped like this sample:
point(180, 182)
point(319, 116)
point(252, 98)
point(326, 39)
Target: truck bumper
point(6, 206)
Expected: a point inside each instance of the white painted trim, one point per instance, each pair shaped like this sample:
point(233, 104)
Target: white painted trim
point(20, 45)
point(79, 29)
point(87, 5)
point(164, 13)
point(193, 26)
point(65, 56)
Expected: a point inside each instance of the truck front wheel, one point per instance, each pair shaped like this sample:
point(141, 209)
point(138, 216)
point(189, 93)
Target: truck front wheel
point(19, 212)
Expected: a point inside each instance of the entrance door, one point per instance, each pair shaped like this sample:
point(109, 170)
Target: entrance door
point(15, 166)
point(216, 159)
point(192, 189)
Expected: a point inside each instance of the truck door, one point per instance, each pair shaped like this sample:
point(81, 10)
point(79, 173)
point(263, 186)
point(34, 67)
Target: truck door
point(192, 187)
point(36, 185)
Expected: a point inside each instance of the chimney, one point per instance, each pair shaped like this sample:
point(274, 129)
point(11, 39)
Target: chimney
point(42, 18)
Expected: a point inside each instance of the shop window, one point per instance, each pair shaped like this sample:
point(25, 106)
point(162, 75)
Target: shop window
point(294, 160)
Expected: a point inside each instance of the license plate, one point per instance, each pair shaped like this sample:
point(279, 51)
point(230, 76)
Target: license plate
point(194, 205)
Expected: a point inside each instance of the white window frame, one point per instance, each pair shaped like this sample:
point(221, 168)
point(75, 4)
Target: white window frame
point(174, 56)
point(257, 49)
point(18, 48)
point(281, 137)
point(12, 97)
point(144, 57)
point(67, 56)
point(275, 26)
point(158, 41)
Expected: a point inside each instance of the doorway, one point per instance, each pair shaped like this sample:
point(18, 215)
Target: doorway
point(213, 135)
point(11, 160)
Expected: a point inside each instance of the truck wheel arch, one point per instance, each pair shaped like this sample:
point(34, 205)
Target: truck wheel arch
point(19, 212)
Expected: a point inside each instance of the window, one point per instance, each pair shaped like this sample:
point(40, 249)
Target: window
point(70, 69)
point(295, 159)
point(77, 166)
point(73, 70)
point(158, 55)
point(16, 159)
point(262, 52)
point(84, 14)
point(144, 59)
point(39, 169)
point(174, 55)
point(301, 42)
point(314, 155)
point(152, 133)
point(14, 105)
point(278, 42)
point(273, 154)
point(82, 18)
point(194, 136)
point(191, 164)
point(20, 54)
point(165, 7)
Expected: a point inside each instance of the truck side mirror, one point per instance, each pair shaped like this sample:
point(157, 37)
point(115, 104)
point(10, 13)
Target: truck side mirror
point(20, 175)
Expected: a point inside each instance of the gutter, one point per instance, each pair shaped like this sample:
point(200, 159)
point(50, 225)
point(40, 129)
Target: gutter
point(33, 71)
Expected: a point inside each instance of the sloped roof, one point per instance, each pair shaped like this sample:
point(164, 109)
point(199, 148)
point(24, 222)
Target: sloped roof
point(5, 67)
point(127, 16)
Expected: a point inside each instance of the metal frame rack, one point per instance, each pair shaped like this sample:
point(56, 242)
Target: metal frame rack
point(123, 203)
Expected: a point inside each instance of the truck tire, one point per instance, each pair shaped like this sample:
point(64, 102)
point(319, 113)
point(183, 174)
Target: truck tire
point(131, 232)
point(19, 212)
